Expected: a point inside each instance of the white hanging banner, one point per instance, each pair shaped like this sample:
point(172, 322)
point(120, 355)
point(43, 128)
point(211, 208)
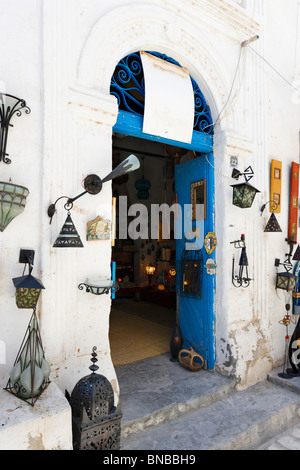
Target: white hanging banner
point(169, 100)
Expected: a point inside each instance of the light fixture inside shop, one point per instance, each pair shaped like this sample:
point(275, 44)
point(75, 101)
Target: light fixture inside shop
point(150, 270)
point(99, 287)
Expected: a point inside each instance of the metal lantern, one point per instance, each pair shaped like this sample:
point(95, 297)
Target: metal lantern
point(243, 193)
point(272, 225)
point(68, 236)
point(29, 376)
point(285, 280)
point(28, 288)
point(96, 423)
point(150, 270)
point(142, 186)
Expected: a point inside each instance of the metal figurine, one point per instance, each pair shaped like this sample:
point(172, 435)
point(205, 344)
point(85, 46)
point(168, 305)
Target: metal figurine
point(242, 279)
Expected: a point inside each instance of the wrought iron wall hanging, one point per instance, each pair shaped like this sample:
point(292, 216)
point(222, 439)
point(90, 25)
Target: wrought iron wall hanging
point(9, 105)
point(129, 88)
point(241, 279)
point(190, 273)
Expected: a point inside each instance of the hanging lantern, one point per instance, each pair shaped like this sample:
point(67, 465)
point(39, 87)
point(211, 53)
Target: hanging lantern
point(272, 225)
point(68, 237)
point(28, 288)
point(143, 185)
point(242, 279)
point(29, 376)
point(243, 193)
point(12, 202)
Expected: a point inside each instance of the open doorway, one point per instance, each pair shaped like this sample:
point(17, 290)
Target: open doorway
point(143, 312)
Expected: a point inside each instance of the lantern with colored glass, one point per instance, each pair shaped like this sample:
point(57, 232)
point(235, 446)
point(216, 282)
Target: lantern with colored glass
point(243, 193)
point(28, 288)
point(150, 270)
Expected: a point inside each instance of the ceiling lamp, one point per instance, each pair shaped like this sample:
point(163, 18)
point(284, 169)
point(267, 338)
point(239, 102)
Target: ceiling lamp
point(142, 185)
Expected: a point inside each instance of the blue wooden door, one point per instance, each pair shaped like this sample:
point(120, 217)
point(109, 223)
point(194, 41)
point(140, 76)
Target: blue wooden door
point(195, 286)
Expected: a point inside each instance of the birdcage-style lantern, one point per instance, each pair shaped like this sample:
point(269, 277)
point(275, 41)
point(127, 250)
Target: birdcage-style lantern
point(243, 193)
point(28, 288)
point(96, 423)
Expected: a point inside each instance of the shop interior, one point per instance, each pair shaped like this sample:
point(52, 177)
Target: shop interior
point(144, 309)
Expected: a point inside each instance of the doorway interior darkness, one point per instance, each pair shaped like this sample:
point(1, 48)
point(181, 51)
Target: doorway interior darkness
point(151, 306)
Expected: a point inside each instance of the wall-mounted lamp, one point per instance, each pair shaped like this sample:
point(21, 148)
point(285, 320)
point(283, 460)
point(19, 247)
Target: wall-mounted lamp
point(242, 279)
point(286, 280)
point(28, 288)
point(243, 193)
point(9, 105)
point(272, 225)
point(99, 287)
point(93, 184)
point(12, 202)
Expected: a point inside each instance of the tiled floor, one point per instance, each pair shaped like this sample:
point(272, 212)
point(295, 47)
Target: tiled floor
point(139, 330)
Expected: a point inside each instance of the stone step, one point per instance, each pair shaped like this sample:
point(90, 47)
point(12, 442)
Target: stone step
point(156, 390)
point(241, 421)
point(166, 407)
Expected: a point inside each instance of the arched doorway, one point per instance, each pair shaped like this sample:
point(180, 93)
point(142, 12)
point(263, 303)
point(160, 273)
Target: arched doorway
point(190, 292)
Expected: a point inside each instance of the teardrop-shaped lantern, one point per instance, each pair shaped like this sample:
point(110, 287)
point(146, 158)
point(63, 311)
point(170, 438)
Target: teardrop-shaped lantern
point(68, 237)
point(12, 202)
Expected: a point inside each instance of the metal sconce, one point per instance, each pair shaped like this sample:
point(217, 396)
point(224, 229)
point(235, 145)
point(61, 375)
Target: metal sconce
point(93, 184)
point(99, 287)
point(286, 280)
point(9, 105)
point(243, 193)
point(272, 225)
point(12, 202)
point(242, 279)
point(28, 288)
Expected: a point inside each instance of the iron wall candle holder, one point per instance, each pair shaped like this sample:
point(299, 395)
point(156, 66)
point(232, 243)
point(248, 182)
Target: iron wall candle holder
point(9, 105)
point(242, 279)
point(99, 287)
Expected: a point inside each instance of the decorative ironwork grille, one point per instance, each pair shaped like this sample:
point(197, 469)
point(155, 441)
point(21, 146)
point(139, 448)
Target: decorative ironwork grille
point(190, 273)
point(129, 88)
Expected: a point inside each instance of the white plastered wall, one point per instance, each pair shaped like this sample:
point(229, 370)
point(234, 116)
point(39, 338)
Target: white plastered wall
point(75, 45)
